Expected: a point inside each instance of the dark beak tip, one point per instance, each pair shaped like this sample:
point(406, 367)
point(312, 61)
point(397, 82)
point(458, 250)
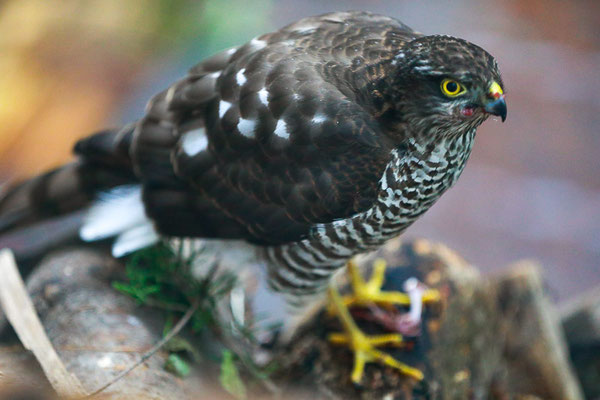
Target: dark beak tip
point(498, 108)
point(503, 111)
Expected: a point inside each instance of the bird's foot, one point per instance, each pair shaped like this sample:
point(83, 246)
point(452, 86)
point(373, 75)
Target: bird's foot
point(369, 294)
point(364, 346)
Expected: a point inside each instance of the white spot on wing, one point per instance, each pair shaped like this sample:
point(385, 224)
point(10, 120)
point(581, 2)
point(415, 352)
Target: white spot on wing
point(263, 96)
point(215, 75)
point(246, 127)
point(258, 44)
point(337, 17)
point(281, 129)
point(318, 118)
point(194, 141)
point(305, 29)
point(223, 107)
point(240, 78)
point(170, 94)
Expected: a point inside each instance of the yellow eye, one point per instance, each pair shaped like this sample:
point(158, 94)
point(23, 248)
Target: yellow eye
point(451, 88)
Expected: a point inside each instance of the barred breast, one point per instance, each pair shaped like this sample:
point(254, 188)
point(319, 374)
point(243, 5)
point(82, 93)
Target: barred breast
point(415, 177)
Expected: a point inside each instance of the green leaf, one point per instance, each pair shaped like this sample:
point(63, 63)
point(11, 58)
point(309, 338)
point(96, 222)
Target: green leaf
point(178, 345)
point(150, 276)
point(168, 325)
point(181, 345)
point(139, 293)
point(177, 366)
point(230, 377)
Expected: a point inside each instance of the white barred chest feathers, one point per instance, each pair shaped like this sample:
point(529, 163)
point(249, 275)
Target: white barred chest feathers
point(414, 179)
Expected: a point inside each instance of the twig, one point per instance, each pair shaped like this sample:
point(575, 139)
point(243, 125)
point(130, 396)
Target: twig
point(19, 310)
point(176, 329)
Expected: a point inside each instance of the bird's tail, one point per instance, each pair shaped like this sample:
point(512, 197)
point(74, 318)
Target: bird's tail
point(103, 163)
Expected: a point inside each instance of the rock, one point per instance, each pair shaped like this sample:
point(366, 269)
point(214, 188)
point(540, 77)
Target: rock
point(581, 322)
point(97, 331)
point(535, 350)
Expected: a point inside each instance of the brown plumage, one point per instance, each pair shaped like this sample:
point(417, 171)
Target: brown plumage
point(297, 134)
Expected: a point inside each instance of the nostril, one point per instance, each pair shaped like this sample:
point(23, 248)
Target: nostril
point(495, 95)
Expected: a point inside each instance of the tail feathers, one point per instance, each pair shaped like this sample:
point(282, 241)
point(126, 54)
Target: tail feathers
point(104, 164)
point(120, 212)
point(113, 212)
point(109, 148)
point(134, 239)
point(104, 178)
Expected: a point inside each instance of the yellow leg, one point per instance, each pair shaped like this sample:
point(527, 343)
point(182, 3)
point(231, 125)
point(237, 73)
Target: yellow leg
point(365, 293)
point(378, 275)
point(362, 345)
point(379, 340)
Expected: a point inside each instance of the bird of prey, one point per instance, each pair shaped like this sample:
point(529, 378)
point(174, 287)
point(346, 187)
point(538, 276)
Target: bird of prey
point(314, 142)
point(311, 144)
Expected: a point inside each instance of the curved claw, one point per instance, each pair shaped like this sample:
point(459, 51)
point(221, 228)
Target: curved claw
point(362, 345)
point(368, 293)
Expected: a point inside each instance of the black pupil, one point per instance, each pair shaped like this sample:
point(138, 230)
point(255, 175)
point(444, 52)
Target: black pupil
point(452, 87)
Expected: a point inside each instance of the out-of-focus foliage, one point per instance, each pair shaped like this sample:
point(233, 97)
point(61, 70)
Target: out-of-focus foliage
point(231, 25)
point(176, 365)
point(66, 66)
point(230, 377)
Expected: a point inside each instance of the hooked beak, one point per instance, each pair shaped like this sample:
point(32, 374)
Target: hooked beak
point(494, 102)
point(497, 107)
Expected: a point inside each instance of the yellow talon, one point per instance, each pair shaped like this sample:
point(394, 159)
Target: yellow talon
point(362, 345)
point(365, 293)
point(378, 340)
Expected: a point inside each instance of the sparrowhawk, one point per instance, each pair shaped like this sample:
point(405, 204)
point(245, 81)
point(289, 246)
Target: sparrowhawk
point(312, 143)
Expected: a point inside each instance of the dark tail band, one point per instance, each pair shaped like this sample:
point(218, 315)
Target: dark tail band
point(104, 163)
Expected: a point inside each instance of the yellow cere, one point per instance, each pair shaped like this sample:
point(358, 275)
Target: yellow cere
point(451, 88)
point(495, 89)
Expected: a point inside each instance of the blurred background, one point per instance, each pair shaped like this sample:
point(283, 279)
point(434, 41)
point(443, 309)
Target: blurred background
point(532, 186)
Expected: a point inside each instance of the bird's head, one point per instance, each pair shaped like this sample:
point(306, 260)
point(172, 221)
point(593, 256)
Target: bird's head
point(447, 85)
